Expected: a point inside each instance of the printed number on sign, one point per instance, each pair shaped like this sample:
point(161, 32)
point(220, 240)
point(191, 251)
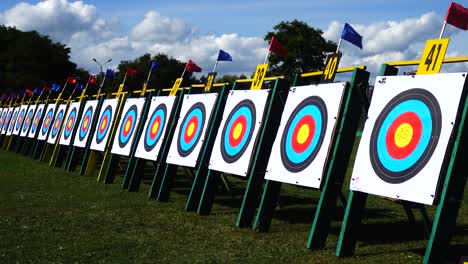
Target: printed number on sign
point(259, 76)
point(433, 56)
point(210, 81)
point(331, 66)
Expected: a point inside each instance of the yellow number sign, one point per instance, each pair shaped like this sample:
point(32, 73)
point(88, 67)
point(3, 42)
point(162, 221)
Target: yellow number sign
point(331, 66)
point(176, 86)
point(433, 56)
point(209, 81)
point(259, 76)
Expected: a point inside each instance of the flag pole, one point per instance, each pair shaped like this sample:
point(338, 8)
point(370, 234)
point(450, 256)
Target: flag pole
point(185, 68)
point(268, 55)
point(338, 46)
point(443, 29)
point(216, 65)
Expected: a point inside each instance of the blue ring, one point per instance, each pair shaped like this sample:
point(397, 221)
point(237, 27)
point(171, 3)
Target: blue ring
point(67, 132)
point(26, 124)
point(107, 112)
point(185, 148)
point(34, 126)
point(19, 122)
point(50, 114)
point(247, 112)
point(89, 112)
point(159, 111)
point(60, 118)
point(132, 112)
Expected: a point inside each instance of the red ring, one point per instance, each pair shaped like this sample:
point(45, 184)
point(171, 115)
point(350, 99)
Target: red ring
point(414, 121)
point(301, 147)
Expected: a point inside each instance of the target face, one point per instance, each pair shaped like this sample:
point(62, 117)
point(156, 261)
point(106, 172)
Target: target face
point(69, 125)
point(84, 128)
point(57, 124)
point(128, 126)
point(47, 122)
point(155, 127)
point(36, 120)
point(237, 131)
point(7, 119)
point(2, 117)
point(104, 124)
point(12, 124)
point(28, 120)
point(406, 137)
point(191, 127)
point(19, 121)
point(305, 134)
point(242, 119)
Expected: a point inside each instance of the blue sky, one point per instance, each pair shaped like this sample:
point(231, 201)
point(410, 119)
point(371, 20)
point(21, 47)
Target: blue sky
point(123, 30)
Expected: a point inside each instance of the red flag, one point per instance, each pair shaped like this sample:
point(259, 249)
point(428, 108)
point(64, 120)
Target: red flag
point(15, 95)
point(4, 96)
point(71, 80)
point(276, 47)
point(46, 89)
point(131, 71)
point(457, 16)
point(28, 92)
point(192, 67)
point(92, 80)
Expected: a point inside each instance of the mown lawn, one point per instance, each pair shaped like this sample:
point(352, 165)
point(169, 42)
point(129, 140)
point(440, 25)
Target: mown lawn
point(50, 216)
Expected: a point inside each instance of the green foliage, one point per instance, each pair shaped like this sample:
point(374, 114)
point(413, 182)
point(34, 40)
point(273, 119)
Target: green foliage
point(230, 78)
point(305, 45)
point(28, 59)
point(162, 77)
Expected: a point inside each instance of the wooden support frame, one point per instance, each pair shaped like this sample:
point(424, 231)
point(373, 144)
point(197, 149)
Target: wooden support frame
point(451, 193)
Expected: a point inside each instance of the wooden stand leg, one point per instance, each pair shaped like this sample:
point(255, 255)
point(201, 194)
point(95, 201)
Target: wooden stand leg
point(166, 183)
point(112, 164)
point(197, 189)
point(266, 209)
point(209, 192)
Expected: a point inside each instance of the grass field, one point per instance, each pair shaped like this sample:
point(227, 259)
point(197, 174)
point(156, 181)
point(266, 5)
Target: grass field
point(50, 216)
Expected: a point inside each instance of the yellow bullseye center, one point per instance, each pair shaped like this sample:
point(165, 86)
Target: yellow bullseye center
point(190, 129)
point(303, 134)
point(237, 131)
point(155, 128)
point(70, 122)
point(103, 124)
point(127, 126)
point(403, 135)
point(85, 123)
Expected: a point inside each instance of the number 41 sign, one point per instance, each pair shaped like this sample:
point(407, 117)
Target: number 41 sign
point(433, 56)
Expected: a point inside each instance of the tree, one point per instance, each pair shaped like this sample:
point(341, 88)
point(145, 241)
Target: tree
point(28, 59)
point(162, 77)
point(230, 78)
point(305, 45)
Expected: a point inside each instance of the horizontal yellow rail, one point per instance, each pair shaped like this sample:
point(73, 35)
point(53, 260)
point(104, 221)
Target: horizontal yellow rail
point(169, 89)
point(272, 78)
point(123, 93)
point(340, 70)
point(416, 62)
point(148, 91)
point(214, 85)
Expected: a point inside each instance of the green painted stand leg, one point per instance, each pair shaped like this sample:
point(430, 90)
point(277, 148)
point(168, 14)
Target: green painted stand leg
point(133, 175)
point(250, 200)
point(266, 209)
point(351, 223)
point(198, 187)
point(84, 164)
point(38, 150)
point(26, 146)
point(69, 161)
point(58, 158)
point(19, 143)
point(209, 192)
point(111, 167)
point(166, 183)
point(157, 179)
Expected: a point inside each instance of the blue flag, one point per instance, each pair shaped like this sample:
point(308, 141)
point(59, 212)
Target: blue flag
point(224, 56)
point(79, 86)
point(21, 92)
point(55, 87)
point(110, 74)
point(154, 65)
point(351, 35)
point(37, 90)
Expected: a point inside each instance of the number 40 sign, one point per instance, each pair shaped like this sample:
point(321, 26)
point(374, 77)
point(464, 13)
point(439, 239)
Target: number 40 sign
point(433, 56)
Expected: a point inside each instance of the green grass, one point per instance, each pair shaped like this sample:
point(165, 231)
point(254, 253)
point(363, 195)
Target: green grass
point(48, 215)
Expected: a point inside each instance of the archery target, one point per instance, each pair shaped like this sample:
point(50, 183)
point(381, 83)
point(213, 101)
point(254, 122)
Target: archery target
point(47, 122)
point(128, 126)
point(19, 121)
point(28, 120)
point(69, 125)
point(57, 124)
point(13, 119)
point(154, 131)
point(7, 119)
point(300, 150)
point(242, 118)
point(190, 132)
point(84, 128)
point(36, 121)
point(104, 124)
point(406, 136)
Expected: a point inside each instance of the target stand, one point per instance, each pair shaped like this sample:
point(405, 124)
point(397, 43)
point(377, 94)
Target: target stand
point(31, 122)
point(251, 125)
point(185, 141)
point(443, 151)
point(35, 129)
point(24, 114)
point(322, 165)
point(157, 133)
point(128, 131)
